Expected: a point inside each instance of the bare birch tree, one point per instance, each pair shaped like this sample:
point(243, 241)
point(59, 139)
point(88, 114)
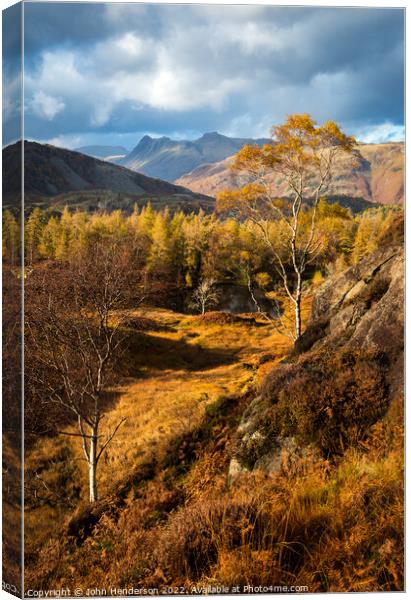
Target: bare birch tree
point(74, 338)
point(302, 156)
point(205, 295)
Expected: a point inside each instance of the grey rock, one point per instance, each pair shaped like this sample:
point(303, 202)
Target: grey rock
point(363, 309)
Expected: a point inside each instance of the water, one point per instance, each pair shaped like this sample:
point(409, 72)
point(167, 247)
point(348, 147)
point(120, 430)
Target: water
point(237, 299)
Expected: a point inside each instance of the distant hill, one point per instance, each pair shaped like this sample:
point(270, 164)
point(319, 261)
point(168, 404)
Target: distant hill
point(112, 154)
point(57, 176)
point(170, 159)
point(379, 178)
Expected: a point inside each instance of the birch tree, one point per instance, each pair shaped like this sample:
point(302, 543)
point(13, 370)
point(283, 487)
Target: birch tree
point(205, 295)
point(299, 160)
point(74, 343)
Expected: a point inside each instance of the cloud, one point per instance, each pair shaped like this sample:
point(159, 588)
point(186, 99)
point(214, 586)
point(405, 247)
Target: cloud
point(384, 132)
point(45, 106)
point(100, 69)
point(12, 87)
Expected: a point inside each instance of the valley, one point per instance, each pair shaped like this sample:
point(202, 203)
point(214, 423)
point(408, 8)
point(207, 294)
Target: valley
point(214, 392)
point(203, 260)
point(182, 365)
point(194, 490)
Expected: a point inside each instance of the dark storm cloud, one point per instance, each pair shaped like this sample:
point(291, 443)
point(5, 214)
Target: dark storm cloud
point(50, 25)
point(12, 80)
point(100, 70)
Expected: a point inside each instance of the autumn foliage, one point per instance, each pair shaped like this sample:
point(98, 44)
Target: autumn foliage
point(128, 348)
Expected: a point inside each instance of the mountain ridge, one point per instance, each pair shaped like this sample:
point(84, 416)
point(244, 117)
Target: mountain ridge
point(378, 178)
point(55, 174)
point(102, 151)
point(170, 159)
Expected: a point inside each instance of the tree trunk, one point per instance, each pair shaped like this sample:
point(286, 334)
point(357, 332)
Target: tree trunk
point(298, 310)
point(93, 465)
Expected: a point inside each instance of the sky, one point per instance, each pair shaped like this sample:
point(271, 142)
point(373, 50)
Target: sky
point(111, 73)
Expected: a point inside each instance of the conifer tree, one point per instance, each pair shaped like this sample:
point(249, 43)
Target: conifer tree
point(160, 252)
point(32, 233)
point(11, 239)
point(64, 236)
point(49, 238)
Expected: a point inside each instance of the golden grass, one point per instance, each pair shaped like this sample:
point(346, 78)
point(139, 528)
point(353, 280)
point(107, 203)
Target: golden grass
point(158, 403)
point(11, 512)
point(332, 527)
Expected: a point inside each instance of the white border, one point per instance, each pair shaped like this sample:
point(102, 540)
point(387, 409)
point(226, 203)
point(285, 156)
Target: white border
point(331, 3)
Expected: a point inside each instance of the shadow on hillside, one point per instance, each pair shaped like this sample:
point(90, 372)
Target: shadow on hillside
point(143, 350)
point(176, 458)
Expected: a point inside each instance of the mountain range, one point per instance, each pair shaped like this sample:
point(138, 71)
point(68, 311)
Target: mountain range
point(203, 166)
point(56, 176)
point(199, 169)
point(170, 159)
point(377, 177)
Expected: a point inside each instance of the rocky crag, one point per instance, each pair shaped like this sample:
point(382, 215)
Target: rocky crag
point(345, 373)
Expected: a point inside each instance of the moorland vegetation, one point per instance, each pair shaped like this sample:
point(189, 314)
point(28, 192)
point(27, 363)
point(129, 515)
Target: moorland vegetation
point(172, 444)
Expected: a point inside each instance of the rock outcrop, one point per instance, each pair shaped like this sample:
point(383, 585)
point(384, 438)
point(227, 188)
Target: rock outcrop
point(343, 374)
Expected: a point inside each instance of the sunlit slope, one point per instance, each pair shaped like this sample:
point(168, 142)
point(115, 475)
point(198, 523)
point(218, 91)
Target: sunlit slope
point(174, 368)
point(378, 176)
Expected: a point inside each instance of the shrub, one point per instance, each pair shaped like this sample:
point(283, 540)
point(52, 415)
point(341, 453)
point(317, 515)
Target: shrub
point(328, 400)
point(188, 547)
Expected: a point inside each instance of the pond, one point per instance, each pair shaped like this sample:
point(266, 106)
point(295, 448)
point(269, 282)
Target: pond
point(236, 298)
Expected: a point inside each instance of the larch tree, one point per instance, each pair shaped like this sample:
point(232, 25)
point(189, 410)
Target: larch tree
point(11, 239)
point(160, 256)
point(33, 231)
point(301, 156)
point(65, 235)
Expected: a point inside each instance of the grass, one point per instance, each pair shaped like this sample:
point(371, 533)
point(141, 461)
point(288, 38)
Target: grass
point(331, 528)
point(178, 368)
point(168, 515)
point(12, 527)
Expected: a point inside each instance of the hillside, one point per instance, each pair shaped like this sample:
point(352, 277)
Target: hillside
point(379, 178)
point(170, 159)
point(226, 473)
point(354, 338)
point(55, 176)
